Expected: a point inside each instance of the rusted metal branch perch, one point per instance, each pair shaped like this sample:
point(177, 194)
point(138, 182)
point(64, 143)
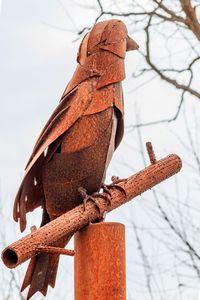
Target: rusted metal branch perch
point(47, 236)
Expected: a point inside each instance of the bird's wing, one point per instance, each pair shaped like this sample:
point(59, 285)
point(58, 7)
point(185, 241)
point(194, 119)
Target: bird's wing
point(70, 109)
point(65, 115)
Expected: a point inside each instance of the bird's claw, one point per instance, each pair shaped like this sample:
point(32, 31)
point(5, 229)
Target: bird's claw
point(86, 198)
point(105, 197)
point(114, 184)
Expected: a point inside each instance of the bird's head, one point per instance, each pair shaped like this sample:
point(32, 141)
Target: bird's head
point(101, 54)
point(110, 36)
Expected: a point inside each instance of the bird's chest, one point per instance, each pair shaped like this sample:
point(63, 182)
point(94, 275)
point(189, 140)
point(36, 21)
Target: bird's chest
point(82, 161)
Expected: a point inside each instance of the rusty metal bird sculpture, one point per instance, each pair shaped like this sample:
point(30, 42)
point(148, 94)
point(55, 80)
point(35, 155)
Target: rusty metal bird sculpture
point(74, 149)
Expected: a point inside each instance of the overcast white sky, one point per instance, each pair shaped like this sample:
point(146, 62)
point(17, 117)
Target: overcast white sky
point(37, 60)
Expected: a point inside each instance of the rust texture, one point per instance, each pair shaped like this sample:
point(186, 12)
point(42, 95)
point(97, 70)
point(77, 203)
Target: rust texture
point(99, 264)
point(150, 152)
point(55, 250)
point(83, 131)
point(76, 145)
point(70, 222)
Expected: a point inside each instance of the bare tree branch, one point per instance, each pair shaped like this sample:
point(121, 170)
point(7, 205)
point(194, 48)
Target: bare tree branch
point(191, 18)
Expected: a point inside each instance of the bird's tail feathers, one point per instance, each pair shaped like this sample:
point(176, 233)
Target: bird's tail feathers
point(42, 271)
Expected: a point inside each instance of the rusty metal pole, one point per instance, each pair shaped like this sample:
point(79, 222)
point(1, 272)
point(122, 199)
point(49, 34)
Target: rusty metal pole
point(99, 266)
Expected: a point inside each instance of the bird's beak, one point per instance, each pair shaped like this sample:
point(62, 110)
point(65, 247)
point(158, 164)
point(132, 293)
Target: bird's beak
point(131, 44)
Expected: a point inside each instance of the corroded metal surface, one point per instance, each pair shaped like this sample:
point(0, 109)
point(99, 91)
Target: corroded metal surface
point(99, 264)
point(86, 113)
point(150, 152)
point(77, 218)
point(55, 250)
point(77, 143)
